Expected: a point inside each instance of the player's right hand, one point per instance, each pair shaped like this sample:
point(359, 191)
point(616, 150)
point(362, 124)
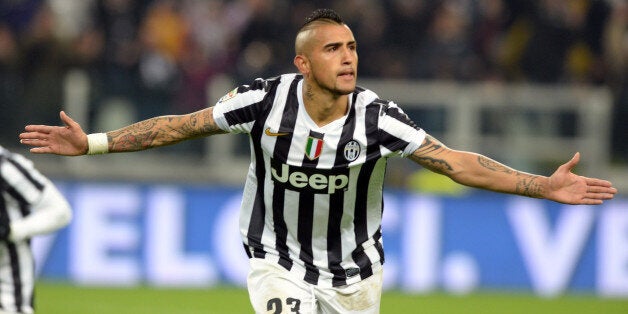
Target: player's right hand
point(68, 140)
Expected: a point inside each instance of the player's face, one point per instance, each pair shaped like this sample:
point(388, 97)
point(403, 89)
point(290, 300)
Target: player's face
point(334, 59)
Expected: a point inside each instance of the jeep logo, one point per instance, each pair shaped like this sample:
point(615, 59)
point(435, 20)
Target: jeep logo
point(321, 181)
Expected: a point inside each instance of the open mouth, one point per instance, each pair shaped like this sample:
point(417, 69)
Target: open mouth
point(349, 74)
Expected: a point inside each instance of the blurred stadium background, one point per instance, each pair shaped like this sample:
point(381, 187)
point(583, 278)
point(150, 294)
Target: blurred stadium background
point(527, 82)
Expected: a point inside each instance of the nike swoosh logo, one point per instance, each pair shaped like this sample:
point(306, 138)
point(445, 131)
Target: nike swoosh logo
point(270, 133)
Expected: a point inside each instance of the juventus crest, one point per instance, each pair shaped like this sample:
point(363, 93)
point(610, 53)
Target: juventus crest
point(352, 150)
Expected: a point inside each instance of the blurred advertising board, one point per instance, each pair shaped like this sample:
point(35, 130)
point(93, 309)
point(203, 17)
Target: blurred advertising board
point(125, 234)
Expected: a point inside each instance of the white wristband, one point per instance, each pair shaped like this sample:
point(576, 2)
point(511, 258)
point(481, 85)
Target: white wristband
point(97, 143)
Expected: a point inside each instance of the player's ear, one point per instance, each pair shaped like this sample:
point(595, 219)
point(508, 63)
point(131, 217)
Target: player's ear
point(302, 64)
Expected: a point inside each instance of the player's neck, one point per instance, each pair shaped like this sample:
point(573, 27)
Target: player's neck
point(324, 108)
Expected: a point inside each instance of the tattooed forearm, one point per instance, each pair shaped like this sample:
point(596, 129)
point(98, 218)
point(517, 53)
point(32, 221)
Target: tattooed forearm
point(149, 133)
point(163, 130)
point(493, 165)
point(528, 185)
point(137, 136)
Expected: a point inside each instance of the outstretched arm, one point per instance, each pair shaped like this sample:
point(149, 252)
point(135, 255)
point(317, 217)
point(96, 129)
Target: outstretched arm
point(70, 140)
point(479, 171)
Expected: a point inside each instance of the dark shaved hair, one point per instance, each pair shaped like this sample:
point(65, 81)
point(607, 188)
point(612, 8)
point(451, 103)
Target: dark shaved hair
point(323, 14)
point(316, 18)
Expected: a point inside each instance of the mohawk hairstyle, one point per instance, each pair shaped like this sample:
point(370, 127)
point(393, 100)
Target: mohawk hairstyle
point(315, 19)
point(323, 14)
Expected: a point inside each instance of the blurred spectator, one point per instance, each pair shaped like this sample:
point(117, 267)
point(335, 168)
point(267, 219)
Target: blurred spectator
point(447, 53)
point(211, 48)
point(266, 46)
point(616, 47)
point(562, 44)
point(491, 21)
point(119, 21)
point(149, 57)
point(43, 62)
point(10, 85)
point(407, 25)
point(163, 34)
point(18, 14)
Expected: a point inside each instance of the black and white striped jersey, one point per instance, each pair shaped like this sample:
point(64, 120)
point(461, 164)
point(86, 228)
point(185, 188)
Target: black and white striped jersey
point(33, 206)
point(313, 199)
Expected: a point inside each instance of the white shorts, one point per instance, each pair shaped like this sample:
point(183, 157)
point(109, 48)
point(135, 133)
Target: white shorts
point(273, 289)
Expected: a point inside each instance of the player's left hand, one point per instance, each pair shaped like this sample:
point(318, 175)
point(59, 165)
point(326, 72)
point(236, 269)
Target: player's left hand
point(569, 188)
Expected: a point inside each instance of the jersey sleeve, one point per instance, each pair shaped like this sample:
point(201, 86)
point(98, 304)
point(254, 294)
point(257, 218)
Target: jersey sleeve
point(49, 210)
point(237, 110)
point(51, 213)
point(21, 179)
point(398, 133)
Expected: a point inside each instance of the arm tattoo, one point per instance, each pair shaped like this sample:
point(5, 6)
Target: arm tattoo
point(526, 185)
point(137, 136)
point(160, 131)
point(199, 124)
point(204, 123)
point(432, 147)
point(493, 165)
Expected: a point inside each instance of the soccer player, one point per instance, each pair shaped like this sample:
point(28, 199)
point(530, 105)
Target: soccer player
point(30, 205)
point(312, 208)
